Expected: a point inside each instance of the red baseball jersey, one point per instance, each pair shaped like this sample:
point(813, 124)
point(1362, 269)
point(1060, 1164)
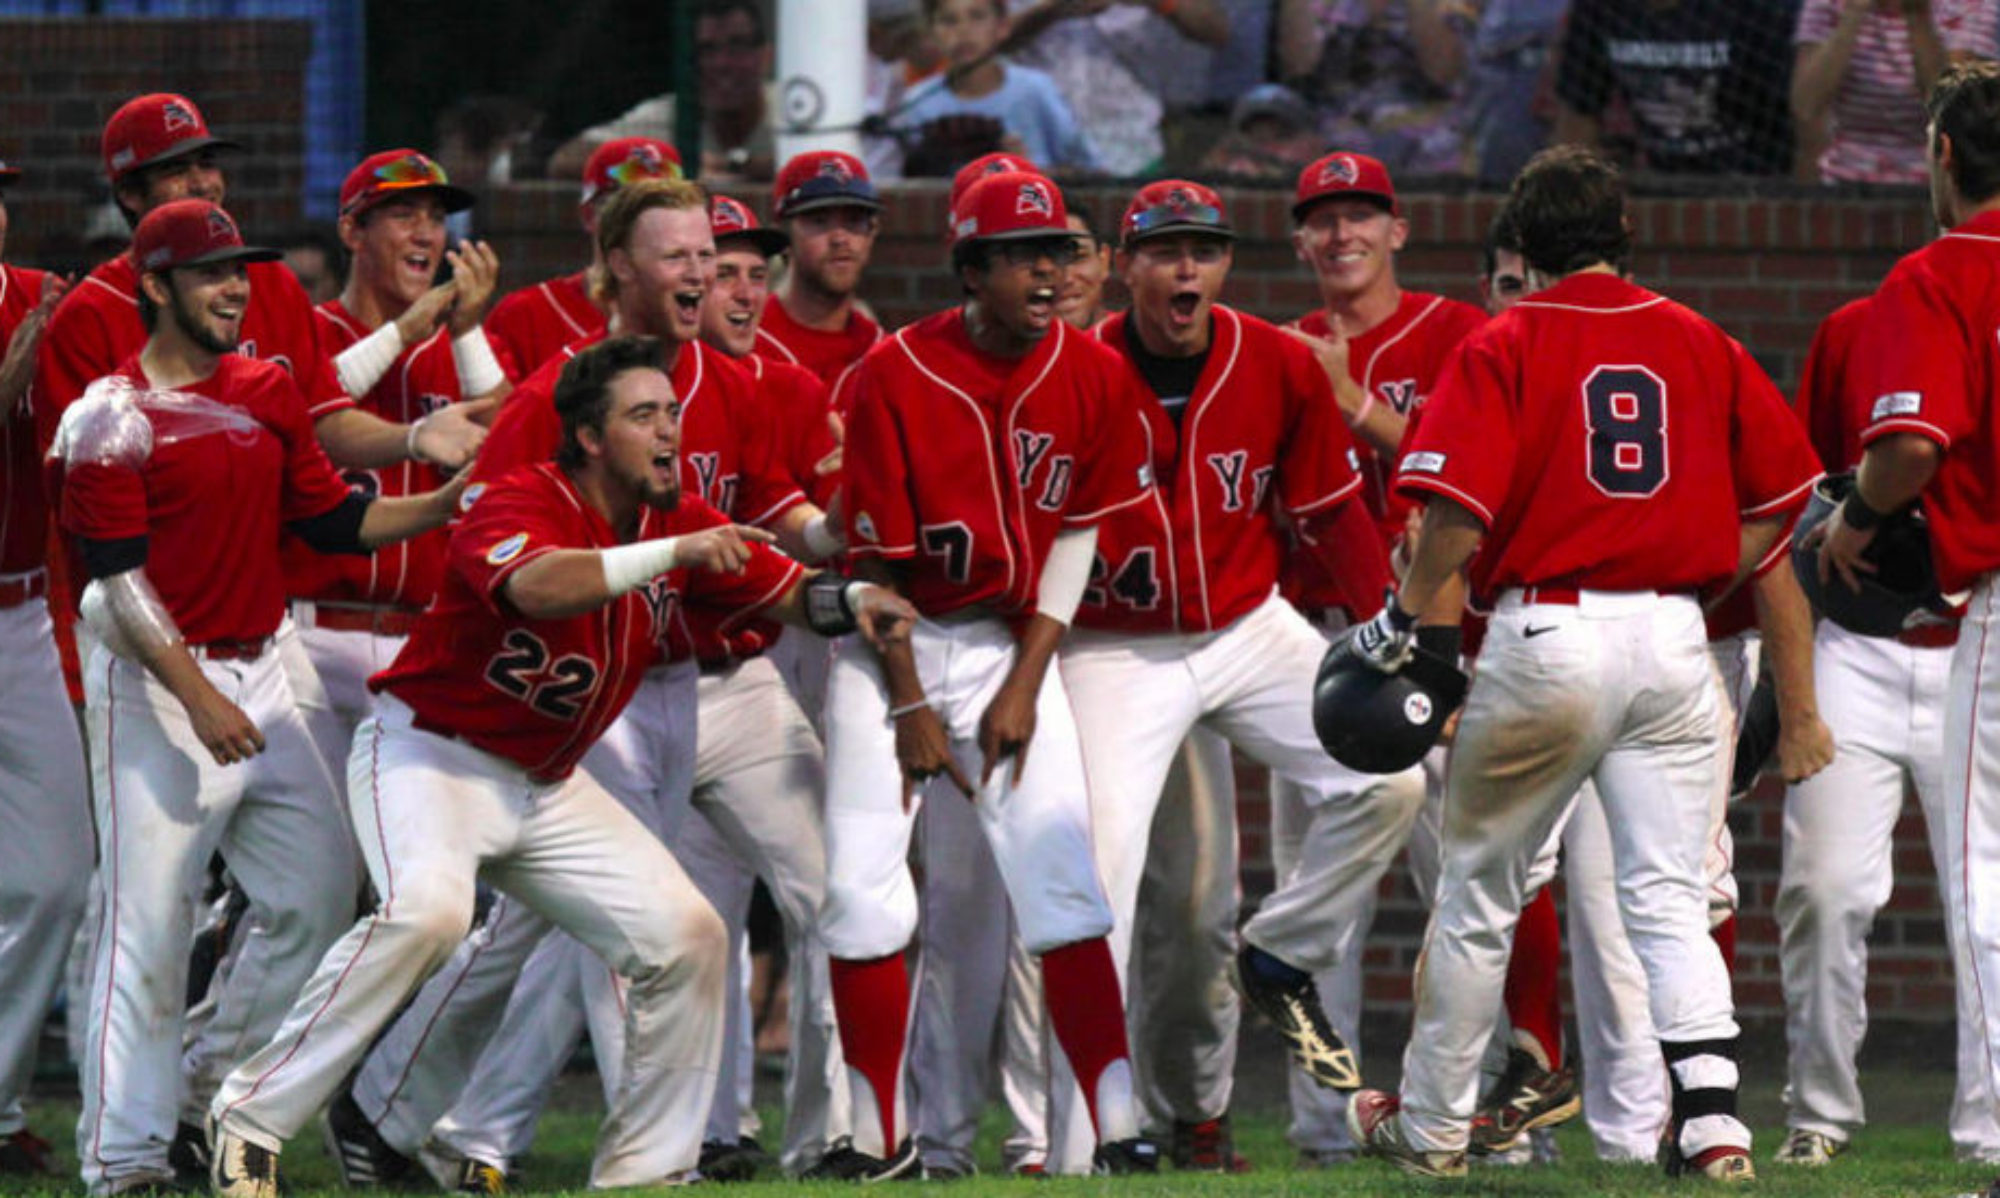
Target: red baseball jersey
point(533, 324)
point(24, 521)
point(827, 355)
point(422, 379)
point(1609, 439)
point(799, 406)
point(1261, 434)
point(965, 466)
point(1830, 405)
point(730, 459)
point(1398, 363)
point(96, 327)
point(540, 692)
point(211, 498)
point(1926, 363)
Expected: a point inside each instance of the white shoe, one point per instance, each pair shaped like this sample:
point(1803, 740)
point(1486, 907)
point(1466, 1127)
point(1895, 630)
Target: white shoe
point(240, 1169)
point(1810, 1149)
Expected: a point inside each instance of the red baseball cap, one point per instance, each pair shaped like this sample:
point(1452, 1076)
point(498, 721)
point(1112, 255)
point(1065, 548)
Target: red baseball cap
point(822, 179)
point(155, 128)
point(1343, 175)
point(1174, 206)
point(982, 166)
point(626, 160)
point(729, 218)
point(1010, 206)
point(192, 233)
point(395, 173)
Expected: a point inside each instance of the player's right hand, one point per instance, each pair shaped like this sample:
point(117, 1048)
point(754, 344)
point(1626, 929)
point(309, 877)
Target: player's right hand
point(923, 751)
point(721, 550)
point(223, 729)
point(1387, 641)
point(422, 318)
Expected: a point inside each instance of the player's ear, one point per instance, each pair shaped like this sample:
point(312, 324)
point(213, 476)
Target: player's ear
point(1399, 233)
point(1299, 246)
point(154, 284)
point(350, 234)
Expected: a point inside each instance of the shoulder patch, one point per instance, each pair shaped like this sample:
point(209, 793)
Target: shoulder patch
point(865, 526)
point(1897, 403)
point(507, 550)
point(1426, 462)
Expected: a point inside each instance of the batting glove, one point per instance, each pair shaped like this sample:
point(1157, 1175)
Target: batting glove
point(1387, 641)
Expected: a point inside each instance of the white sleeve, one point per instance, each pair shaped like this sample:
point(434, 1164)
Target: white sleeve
point(1067, 573)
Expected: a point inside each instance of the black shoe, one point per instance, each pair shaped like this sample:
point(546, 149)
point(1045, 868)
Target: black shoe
point(360, 1154)
point(25, 1154)
point(844, 1162)
point(740, 1161)
point(1525, 1097)
point(189, 1158)
point(1294, 1009)
point(1206, 1147)
point(1120, 1157)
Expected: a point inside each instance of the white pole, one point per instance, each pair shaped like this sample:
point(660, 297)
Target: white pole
point(822, 75)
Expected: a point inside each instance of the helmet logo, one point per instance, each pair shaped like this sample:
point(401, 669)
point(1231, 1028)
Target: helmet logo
point(1417, 708)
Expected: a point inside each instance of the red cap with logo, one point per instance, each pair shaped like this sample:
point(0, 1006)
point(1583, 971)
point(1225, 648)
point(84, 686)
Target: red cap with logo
point(394, 173)
point(1341, 175)
point(822, 179)
point(192, 233)
point(1174, 206)
point(1010, 206)
point(729, 218)
point(627, 160)
point(155, 128)
point(980, 167)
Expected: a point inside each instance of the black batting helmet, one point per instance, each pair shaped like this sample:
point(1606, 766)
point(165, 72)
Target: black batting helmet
point(1382, 723)
point(1901, 593)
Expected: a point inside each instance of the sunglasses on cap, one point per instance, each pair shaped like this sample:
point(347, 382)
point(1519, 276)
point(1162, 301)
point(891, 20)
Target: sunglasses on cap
point(1061, 249)
point(1173, 213)
point(635, 167)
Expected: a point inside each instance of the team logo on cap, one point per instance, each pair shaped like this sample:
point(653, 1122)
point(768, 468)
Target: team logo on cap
point(1034, 200)
point(1180, 201)
point(648, 157)
point(1339, 169)
point(835, 169)
point(220, 227)
point(730, 216)
point(177, 116)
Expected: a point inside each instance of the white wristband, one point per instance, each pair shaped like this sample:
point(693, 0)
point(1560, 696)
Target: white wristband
point(478, 370)
point(410, 439)
point(362, 365)
point(629, 567)
point(821, 538)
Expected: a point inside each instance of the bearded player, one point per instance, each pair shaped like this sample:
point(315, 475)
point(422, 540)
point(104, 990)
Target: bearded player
point(825, 203)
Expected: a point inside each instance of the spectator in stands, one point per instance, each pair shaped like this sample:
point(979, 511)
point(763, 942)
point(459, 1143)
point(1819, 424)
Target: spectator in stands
point(1271, 135)
point(1123, 65)
point(1862, 72)
point(1506, 106)
point(1383, 76)
point(732, 52)
point(1705, 81)
point(977, 82)
point(901, 55)
point(316, 258)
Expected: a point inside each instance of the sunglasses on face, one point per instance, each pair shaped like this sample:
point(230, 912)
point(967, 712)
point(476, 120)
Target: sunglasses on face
point(1060, 250)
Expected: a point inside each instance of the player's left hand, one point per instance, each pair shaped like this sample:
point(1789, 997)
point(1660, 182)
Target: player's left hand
point(475, 268)
point(830, 464)
point(1840, 548)
point(1805, 746)
point(1006, 729)
point(448, 496)
point(451, 436)
point(884, 617)
point(1387, 641)
point(18, 368)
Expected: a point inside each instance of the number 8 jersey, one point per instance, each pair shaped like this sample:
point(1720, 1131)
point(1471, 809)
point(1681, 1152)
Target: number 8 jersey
point(1610, 439)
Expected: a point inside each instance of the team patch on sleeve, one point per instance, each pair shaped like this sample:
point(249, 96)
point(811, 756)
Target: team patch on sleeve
point(865, 526)
point(507, 550)
point(1146, 475)
point(1897, 403)
point(1426, 462)
point(470, 496)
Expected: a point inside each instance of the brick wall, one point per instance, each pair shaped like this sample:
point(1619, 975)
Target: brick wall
point(1767, 269)
point(65, 77)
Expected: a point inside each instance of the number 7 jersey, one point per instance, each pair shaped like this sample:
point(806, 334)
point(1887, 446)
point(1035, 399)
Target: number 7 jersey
point(1609, 439)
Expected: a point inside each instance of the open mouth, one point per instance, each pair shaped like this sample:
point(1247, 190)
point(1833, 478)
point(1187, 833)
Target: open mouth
point(689, 305)
point(741, 319)
point(1183, 306)
point(421, 264)
point(666, 465)
point(1041, 299)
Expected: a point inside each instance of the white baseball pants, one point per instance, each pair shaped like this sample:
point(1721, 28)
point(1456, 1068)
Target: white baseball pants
point(1972, 823)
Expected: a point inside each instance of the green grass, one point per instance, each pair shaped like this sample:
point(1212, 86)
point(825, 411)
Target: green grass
point(1904, 1151)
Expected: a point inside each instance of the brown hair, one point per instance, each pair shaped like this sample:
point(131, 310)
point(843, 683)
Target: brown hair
point(1965, 106)
point(1566, 211)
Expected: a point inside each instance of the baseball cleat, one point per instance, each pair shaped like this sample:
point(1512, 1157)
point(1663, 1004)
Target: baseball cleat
point(240, 1169)
point(25, 1154)
point(188, 1157)
point(1527, 1096)
point(360, 1154)
point(479, 1177)
point(722, 1160)
point(1119, 1158)
point(1374, 1119)
point(1726, 1163)
point(1808, 1148)
point(844, 1162)
point(1288, 999)
point(1206, 1147)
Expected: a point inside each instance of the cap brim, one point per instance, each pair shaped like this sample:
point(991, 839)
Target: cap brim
point(241, 253)
point(840, 201)
point(1299, 210)
point(1022, 235)
point(182, 149)
point(769, 242)
point(454, 197)
point(1219, 232)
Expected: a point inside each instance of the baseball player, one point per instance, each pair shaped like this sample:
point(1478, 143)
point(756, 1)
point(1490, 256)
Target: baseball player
point(1573, 446)
point(404, 347)
point(656, 240)
point(560, 586)
point(533, 324)
point(985, 443)
point(1924, 364)
point(177, 473)
point(825, 202)
point(45, 856)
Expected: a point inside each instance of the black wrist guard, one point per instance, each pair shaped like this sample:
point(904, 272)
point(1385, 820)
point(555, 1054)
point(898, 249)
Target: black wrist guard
point(1858, 515)
point(1443, 640)
point(828, 611)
